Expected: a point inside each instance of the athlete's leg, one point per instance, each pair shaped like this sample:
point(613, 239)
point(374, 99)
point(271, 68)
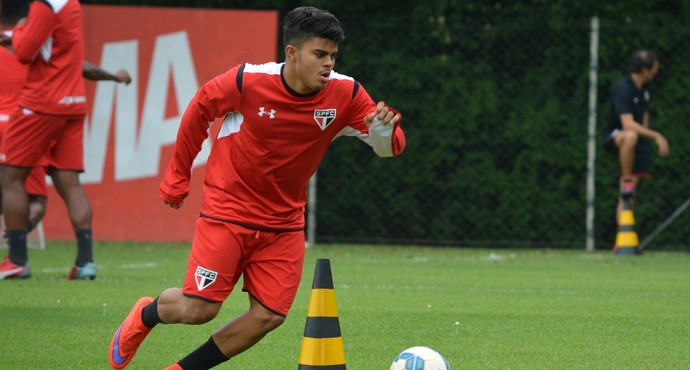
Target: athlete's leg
point(37, 209)
point(66, 163)
point(271, 267)
point(15, 205)
point(271, 277)
point(631, 201)
point(247, 329)
point(24, 145)
point(35, 185)
point(79, 210)
point(626, 140)
point(78, 207)
point(176, 308)
point(231, 339)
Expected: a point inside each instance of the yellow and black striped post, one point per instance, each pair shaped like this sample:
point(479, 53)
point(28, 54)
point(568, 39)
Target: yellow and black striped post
point(626, 239)
point(322, 345)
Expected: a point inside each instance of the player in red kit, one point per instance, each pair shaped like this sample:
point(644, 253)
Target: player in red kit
point(12, 77)
point(279, 121)
point(46, 129)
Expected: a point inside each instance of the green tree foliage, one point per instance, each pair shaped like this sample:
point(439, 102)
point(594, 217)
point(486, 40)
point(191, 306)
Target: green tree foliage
point(495, 104)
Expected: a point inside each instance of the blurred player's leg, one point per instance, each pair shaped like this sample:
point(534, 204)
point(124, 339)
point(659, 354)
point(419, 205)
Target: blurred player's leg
point(15, 207)
point(626, 140)
point(80, 214)
point(66, 163)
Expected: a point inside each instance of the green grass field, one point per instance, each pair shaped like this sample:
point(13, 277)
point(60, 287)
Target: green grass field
point(481, 308)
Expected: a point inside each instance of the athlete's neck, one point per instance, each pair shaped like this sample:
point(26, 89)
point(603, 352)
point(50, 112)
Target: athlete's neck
point(638, 79)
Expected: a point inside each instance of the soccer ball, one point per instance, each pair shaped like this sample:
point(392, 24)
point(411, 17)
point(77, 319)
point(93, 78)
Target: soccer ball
point(419, 358)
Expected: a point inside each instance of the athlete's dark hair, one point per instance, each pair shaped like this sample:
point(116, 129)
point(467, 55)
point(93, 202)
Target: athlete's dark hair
point(12, 11)
point(642, 59)
point(308, 22)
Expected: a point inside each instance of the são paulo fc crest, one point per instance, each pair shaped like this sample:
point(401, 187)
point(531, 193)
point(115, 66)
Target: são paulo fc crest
point(204, 277)
point(324, 117)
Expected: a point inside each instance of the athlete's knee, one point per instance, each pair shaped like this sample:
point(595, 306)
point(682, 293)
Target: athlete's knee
point(266, 319)
point(628, 137)
point(37, 208)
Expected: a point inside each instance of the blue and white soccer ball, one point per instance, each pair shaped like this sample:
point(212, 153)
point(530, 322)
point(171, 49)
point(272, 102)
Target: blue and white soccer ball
point(419, 358)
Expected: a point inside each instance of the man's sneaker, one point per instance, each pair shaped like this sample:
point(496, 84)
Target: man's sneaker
point(8, 270)
point(85, 272)
point(129, 335)
point(627, 189)
point(175, 366)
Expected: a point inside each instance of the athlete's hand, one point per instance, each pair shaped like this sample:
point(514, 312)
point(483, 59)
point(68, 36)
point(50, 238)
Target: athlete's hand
point(663, 145)
point(123, 76)
point(5, 40)
point(383, 113)
point(173, 205)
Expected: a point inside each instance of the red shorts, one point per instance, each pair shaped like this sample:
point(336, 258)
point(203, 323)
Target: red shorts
point(36, 181)
point(269, 262)
point(38, 140)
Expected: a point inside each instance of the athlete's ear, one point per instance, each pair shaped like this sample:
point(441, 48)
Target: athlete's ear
point(291, 53)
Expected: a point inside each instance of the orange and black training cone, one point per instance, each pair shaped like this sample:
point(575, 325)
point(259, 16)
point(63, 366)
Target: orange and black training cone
point(626, 239)
point(322, 345)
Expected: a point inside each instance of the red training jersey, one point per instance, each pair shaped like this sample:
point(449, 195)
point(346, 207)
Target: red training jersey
point(12, 77)
point(271, 142)
point(52, 43)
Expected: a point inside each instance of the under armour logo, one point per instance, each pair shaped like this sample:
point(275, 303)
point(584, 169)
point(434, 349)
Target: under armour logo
point(204, 277)
point(271, 113)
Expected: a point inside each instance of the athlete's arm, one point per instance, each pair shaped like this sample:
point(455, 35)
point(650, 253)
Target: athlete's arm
point(623, 105)
point(93, 72)
point(629, 123)
point(27, 39)
point(214, 99)
point(380, 123)
point(661, 142)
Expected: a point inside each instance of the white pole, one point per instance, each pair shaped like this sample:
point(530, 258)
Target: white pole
point(591, 129)
point(41, 236)
point(311, 212)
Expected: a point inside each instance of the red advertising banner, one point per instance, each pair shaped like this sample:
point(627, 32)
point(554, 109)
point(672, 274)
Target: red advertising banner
point(130, 129)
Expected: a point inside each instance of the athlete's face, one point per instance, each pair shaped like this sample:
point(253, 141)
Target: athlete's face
point(313, 63)
point(650, 73)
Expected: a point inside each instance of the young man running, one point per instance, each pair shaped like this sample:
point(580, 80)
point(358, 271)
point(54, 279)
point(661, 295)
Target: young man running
point(280, 119)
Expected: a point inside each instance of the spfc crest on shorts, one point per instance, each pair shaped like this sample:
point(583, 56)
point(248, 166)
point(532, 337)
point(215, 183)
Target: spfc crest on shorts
point(324, 117)
point(204, 277)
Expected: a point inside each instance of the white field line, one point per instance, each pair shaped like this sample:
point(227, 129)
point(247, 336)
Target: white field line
point(128, 266)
